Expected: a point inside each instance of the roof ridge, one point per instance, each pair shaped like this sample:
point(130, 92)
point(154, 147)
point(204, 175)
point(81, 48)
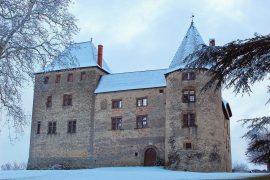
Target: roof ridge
point(135, 71)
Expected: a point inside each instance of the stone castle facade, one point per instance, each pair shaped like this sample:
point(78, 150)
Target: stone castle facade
point(86, 116)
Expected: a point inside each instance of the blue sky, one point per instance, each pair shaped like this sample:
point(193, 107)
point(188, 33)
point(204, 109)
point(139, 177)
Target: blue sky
point(145, 34)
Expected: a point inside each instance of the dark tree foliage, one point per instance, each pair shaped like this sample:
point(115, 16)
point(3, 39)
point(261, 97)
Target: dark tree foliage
point(238, 64)
point(32, 34)
point(258, 136)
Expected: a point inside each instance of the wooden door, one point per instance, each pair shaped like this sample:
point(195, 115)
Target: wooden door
point(150, 157)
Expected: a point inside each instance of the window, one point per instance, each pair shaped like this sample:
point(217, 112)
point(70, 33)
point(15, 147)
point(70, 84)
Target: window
point(57, 79)
point(52, 127)
point(49, 102)
point(117, 104)
point(67, 100)
point(188, 76)
point(189, 120)
point(142, 102)
point(46, 80)
point(116, 123)
point(83, 76)
point(38, 127)
point(142, 122)
point(161, 91)
point(70, 77)
point(188, 145)
point(72, 126)
point(188, 95)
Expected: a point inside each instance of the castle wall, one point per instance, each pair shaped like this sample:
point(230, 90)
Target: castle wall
point(208, 138)
point(127, 146)
point(74, 150)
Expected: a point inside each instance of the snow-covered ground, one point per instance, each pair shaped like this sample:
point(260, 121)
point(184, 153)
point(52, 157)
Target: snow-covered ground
point(118, 173)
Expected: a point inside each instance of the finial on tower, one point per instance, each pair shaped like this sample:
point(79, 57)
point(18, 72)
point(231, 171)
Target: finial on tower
point(91, 39)
point(192, 16)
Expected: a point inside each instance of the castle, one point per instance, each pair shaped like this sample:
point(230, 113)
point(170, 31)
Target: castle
point(86, 116)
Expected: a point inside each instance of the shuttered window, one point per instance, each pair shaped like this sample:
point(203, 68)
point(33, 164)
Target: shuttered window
point(188, 120)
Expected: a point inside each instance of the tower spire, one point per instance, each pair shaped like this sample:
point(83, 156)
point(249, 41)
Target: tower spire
point(192, 16)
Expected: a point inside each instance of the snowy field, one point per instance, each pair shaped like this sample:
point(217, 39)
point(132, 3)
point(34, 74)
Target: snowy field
point(118, 173)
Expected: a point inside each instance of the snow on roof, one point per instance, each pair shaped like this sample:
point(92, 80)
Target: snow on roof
point(84, 55)
point(131, 80)
point(191, 43)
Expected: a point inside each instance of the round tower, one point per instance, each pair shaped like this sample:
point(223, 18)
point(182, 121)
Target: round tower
point(196, 130)
point(195, 127)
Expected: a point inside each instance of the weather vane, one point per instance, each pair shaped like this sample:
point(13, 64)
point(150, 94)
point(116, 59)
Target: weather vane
point(192, 16)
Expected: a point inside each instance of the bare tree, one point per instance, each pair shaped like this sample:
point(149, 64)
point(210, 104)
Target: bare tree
point(13, 166)
point(32, 34)
point(240, 167)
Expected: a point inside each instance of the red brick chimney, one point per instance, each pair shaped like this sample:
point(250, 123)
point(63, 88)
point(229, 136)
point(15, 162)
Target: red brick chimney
point(100, 54)
point(212, 42)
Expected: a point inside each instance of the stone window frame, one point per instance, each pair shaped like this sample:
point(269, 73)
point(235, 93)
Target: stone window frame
point(67, 100)
point(49, 101)
point(51, 127)
point(38, 127)
point(142, 102)
point(189, 94)
point(46, 80)
point(140, 119)
point(117, 104)
point(70, 77)
point(188, 76)
point(57, 78)
point(116, 123)
point(72, 126)
point(83, 76)
point(189, 119)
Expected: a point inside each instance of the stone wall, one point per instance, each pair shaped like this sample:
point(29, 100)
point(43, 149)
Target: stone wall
point(208, 138)
point(127, 146)
point(74, 150)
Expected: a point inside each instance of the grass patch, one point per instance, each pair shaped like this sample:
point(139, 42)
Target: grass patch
point(267, 177)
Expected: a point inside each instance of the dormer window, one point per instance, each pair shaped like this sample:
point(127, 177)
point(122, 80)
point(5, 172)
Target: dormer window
point(187, 76)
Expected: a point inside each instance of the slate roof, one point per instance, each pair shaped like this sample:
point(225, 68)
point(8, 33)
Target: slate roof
point(131, 81)
point(84, 55)
point(191, 43)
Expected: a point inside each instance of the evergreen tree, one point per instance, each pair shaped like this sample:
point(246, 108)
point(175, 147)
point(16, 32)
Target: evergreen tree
point(238, 65)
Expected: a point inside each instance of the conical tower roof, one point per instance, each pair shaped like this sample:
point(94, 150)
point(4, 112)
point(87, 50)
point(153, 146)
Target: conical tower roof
point(191, 43)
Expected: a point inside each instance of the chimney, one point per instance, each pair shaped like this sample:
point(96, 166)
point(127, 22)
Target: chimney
point(100, 54)
point(212, 42)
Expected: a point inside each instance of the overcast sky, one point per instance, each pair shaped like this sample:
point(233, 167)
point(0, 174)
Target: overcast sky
point(145, 34)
